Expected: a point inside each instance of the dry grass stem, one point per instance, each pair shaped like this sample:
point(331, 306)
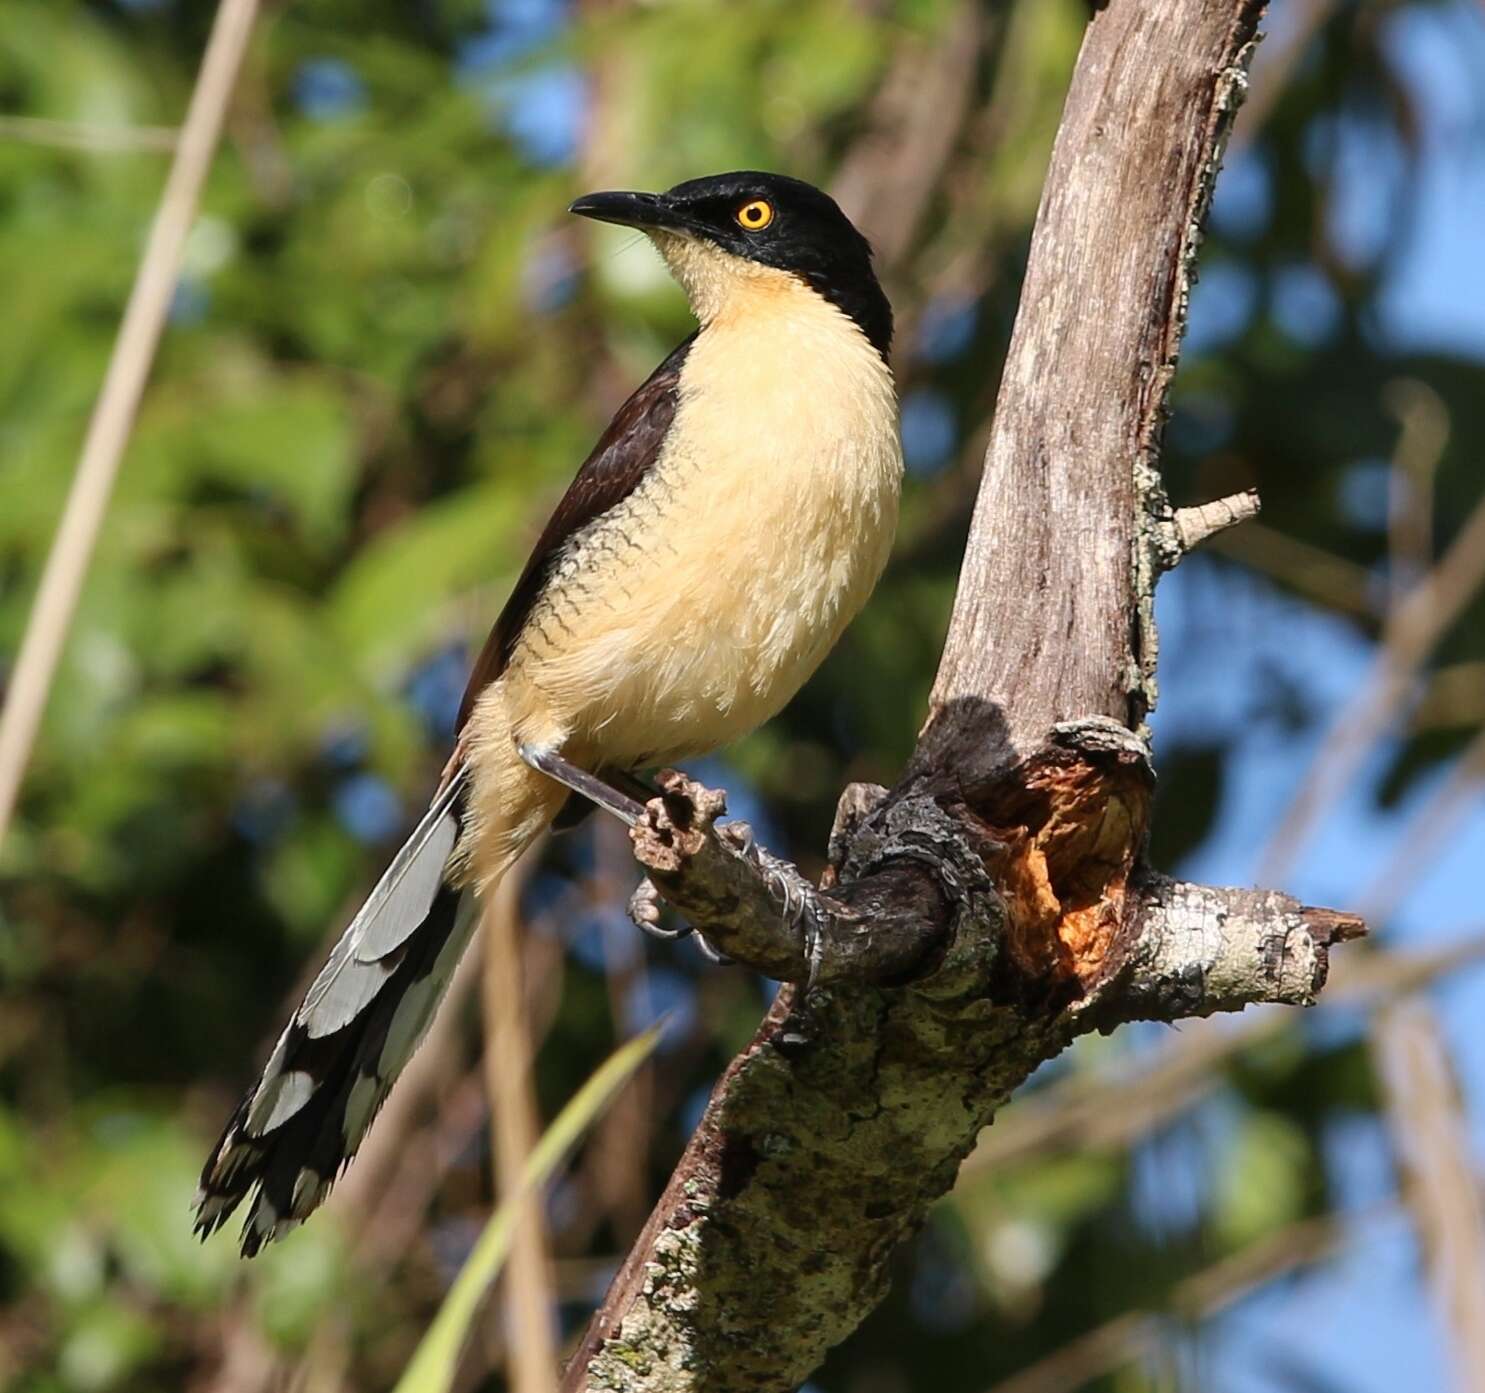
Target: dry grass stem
point(113, 416)
point(528, 1287)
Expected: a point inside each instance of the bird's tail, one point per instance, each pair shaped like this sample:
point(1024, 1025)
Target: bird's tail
point(363, 1017)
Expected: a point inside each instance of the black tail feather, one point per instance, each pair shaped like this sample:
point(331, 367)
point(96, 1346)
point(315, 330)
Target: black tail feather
point(288, 1169)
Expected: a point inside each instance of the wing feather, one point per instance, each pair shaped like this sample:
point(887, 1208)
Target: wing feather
point(290, 1138)
point(618, 464)
point(360, 963)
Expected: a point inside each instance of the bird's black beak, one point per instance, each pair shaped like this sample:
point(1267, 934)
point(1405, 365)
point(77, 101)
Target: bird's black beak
point(642, 210)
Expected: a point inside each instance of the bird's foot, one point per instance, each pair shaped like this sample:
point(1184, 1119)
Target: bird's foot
point(644, 910)
point(801, 906)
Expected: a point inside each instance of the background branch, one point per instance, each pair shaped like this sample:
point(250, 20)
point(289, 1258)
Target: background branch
point(1436, 1177)
point(87, 135)
point(113, 416)
point(1136, 1334)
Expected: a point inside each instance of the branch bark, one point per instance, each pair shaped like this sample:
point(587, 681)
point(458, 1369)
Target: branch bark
point(994, 904)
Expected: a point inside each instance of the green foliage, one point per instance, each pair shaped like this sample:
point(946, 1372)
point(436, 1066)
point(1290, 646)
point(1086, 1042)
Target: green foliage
point(1262, 1187)
point(435, 1363)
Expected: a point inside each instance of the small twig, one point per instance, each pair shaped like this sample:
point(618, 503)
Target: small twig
point(1187, 528)
point(113, 416)
point(1204, 949)
point(85, 135)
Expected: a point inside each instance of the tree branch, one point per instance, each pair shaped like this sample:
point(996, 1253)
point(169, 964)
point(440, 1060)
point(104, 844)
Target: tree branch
point(885, 926)
point(1185, 529)
point(994, 904)
point(1202, 950)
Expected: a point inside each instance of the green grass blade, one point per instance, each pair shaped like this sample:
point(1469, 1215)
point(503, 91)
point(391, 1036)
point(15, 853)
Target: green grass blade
point(431, 1369)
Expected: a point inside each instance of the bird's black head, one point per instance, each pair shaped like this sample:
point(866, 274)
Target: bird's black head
point(769, 219)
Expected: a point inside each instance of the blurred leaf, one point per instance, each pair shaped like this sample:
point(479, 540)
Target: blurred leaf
point(1262, 1184)
point(389, 601)
point(301, 1284)
point(433, 1366)
point(105, 1344)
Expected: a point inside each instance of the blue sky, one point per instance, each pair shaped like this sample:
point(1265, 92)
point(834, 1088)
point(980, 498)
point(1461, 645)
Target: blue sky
point(1436, 298)
point(1362, 1319)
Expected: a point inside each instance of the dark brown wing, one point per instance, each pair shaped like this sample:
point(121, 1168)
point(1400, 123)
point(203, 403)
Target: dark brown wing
point(620, 460)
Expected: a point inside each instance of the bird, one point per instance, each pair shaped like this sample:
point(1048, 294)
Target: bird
point(730, 522)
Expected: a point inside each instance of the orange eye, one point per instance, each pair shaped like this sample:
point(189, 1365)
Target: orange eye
point(754, 215)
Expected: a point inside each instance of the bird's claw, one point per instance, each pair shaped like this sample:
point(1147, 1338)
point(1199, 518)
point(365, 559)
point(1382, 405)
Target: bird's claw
point(741, 835)
point(713, 953)
point(644, 910)
point(797, 908)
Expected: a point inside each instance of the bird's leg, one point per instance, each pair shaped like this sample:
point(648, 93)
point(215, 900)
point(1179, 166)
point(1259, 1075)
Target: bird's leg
point(632, 784)
point(550, 763)
point(644, 904)
point(800, 904)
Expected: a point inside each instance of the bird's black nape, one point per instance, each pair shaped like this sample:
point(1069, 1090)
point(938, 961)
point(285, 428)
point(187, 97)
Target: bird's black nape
point(771, 219)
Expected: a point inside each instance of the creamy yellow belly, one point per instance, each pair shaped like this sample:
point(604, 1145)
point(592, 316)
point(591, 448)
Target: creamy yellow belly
point(697, 610)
